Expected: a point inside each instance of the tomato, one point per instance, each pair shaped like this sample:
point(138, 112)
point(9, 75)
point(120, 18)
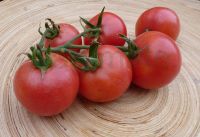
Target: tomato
point(112, 25)
point(158, 62)
point(110, 80)
point(66, 33)
point(50, 94)
point(159, 19)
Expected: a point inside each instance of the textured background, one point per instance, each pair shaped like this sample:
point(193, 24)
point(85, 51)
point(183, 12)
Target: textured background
point(172, 111)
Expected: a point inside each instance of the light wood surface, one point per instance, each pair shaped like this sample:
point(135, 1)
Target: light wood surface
point(172, 111)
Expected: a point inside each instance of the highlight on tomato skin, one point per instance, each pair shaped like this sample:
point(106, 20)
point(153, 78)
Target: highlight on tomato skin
point(112, 25)
point(158, 62)
point(49, 94)
point(160, 19)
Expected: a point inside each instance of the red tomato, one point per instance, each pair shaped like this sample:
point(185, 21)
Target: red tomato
point(51, 94)
point(67, 32)
point(159, 61)
point(110, 80)
point(159, 19)
point(112, 25)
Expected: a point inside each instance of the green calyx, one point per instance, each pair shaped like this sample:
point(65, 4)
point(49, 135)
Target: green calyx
point(51, 29)
point(94, 34)
point(40, 59)
point(132, 50)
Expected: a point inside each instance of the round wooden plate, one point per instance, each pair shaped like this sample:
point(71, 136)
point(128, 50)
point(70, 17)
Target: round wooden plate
point(172, 111)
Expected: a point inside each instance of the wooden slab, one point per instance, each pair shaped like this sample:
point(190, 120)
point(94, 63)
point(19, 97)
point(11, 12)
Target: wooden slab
point(172, 111)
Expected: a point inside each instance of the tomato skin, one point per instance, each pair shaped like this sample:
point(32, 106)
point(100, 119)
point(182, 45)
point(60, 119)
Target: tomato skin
point(112, 26)
point(110, 80)
point(159, 61)
point(51, 94)
point(159, 19)
point(67, 32)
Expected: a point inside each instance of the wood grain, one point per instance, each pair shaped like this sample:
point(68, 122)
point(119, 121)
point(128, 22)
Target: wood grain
point(172, 111)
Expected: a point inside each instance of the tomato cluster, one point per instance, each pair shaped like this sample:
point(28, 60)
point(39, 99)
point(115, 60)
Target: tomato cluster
point(104, 68)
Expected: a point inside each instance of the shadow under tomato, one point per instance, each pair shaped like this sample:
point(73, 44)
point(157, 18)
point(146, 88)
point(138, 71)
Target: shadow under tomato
point(132, 92)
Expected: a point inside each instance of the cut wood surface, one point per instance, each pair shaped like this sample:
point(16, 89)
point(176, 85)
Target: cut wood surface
point(171, 111)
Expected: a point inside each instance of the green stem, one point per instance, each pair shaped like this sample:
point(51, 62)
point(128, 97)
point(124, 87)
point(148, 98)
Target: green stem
point(69, 43)
point(61, 48)
point(41, 43)
point(72, 46)
point(88, 63)
point(64, 50)
point(81, 34)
